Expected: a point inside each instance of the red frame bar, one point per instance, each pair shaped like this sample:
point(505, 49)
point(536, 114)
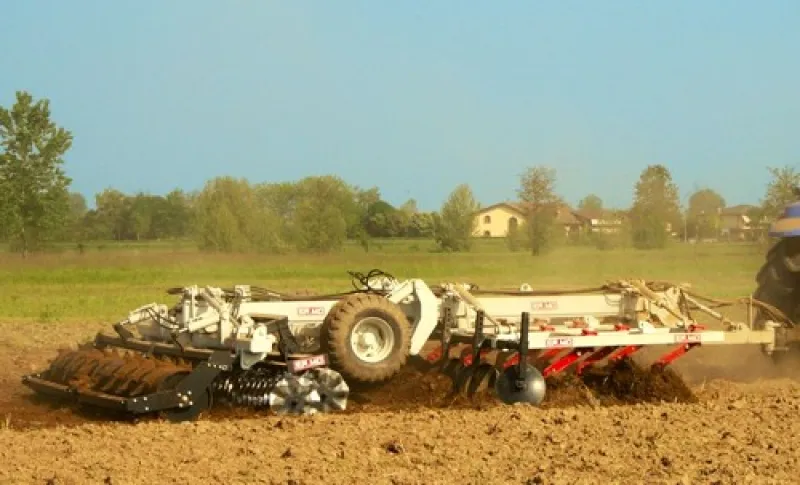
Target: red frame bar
point(564, 362)
point(624, 352)
point(595, 357)
point(435, 354)
point(466, 360)
point(674, 354)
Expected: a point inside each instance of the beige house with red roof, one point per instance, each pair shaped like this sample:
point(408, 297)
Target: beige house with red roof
point(495, 220)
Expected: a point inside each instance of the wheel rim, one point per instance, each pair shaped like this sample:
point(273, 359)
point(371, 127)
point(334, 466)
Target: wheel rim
point(372, 339)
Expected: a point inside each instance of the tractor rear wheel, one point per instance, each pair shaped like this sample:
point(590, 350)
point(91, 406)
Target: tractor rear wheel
point(779, 286)
point(779, 280)
point(367, 338)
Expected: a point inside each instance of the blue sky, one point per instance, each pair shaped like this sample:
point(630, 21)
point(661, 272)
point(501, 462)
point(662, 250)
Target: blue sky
point(414, 97)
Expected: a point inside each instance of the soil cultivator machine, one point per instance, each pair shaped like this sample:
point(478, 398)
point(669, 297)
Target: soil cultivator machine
point(253, 347)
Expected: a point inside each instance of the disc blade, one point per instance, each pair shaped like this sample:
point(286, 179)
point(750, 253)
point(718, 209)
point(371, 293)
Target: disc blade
point(530, 390)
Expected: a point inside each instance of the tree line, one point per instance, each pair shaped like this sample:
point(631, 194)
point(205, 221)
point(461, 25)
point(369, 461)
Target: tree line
point(316, 213)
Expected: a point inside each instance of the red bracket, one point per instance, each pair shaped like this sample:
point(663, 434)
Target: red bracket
point(435, 354)
point(624, 352)
point(549, 354)
point(673, 354)
point(466, 360)
point(564, 362)
point(511, 361)
point(595, 357)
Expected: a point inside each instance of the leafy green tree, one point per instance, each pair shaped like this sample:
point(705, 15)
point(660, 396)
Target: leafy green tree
point(384, 220)
point(537, 192)
point(781, 191)
point(326, 212)
point(231, 218)
point(34, 190)
point(380, 219)
point(656, 208)
point(77, 212)
point(113, 214)
point(591, 202)
point(703, 213)
point(455, 223)
point(177, 215)
point(421, 225)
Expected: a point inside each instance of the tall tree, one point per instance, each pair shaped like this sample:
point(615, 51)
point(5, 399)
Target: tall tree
point(113, 214)
point(231, 218)
point(703, 214)
point(780, 191)
point(34, 191)
point(537, 191)
point(325, 214)
point(656, 208)
point(77, 212)
point(455, 223)
point(591, 202)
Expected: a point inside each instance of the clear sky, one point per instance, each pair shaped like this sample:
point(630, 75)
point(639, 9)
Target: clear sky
point(414, 96)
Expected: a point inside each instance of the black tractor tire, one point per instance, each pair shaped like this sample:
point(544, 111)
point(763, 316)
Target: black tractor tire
point(338, 327)
point(778, 281)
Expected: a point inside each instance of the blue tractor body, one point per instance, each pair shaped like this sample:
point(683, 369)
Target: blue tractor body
point(788, 225)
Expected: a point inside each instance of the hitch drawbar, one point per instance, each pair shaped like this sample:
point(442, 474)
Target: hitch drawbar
point(183, 396)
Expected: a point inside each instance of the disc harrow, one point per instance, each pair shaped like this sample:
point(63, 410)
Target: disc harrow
point(255, 348)
point(516, 366)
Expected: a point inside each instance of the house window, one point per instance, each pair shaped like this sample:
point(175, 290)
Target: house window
point(487, 219)
point(487, 234)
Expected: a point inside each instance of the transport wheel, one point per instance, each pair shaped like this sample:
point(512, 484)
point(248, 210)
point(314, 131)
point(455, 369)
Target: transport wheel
point(367, 338)
point(779, 286)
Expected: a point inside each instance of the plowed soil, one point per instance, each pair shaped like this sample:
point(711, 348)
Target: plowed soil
point(733, 418)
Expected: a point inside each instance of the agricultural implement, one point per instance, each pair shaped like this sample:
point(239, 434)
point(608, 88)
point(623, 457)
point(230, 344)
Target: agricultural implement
point(249, 346)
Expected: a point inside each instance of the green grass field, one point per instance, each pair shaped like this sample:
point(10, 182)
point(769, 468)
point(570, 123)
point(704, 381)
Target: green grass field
point(106, 281)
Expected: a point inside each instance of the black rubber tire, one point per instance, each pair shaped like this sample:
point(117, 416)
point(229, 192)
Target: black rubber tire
point(778, 280)
point(339, 324)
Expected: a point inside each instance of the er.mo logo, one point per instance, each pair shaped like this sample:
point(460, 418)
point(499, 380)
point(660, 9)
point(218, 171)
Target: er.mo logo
point(306, 311)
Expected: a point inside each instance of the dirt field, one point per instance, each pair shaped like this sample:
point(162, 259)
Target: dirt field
point(741, 429)
point(738, 426)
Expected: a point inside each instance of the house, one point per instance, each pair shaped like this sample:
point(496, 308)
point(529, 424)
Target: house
point(496, 220)
point(735, 222)
point(599, 220)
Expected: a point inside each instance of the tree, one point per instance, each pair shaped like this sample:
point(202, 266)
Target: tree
point(113, 214)
point(326, 212)
point(177, 214)
point(537, 191)
point(780, 191)
point(656, 208)
point(381, 220)
point(591, 202)
point(455, 223)
point(421, 225)
point(77, 212)
point(703, 214)
point(34, 191)
point(231, 218)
